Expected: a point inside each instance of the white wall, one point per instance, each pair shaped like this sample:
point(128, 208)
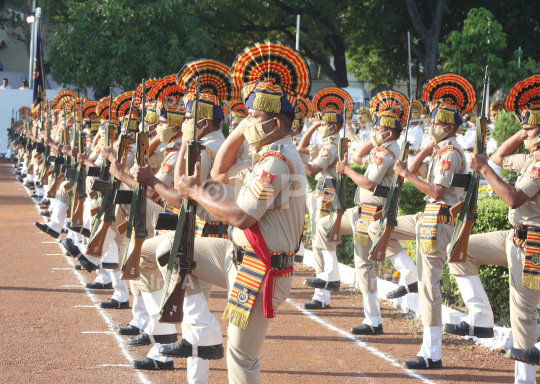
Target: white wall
point(13, 99)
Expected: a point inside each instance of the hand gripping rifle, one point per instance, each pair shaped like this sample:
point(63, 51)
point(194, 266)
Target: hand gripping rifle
point(136, 223)
point(184, 238)
point(107, 188)
point(338, 204)
point(391, 205)
point(457, 249)
point(60, 161)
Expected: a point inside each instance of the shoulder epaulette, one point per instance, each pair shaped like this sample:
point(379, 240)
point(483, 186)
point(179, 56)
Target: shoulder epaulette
point(448, 147)
point(381, 149)
point(536, 156)
point(275, 147)
point(169, 150)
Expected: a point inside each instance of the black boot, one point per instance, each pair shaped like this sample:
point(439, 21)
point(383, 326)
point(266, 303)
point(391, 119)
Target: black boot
point(323, 284)
point(420, 362)
point(144, 339)
point(403, 290)
point(464, 329)
point(315, 304)
point(365, 329)
point(98, 286)
point(529, 356)
point(45, 228)
point(114, 304)
point(184, 349)
point(151, 364)
point(129, 330)
point(45, 213)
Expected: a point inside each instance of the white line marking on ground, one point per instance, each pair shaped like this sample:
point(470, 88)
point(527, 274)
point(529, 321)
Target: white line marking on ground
point(54, 254)
point(115, 365)
point(106, 333)
point(108, 320)
point(48, 242)
point(360, 343)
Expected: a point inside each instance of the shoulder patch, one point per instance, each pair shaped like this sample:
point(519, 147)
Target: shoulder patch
point(445, 148)
point(169, 150)
point(267, 178)
point(262, 191)
point(445, 164)
point(536, 156)
point(325, 151)
point(535, 173)
point(384, 151)
point(165, 168)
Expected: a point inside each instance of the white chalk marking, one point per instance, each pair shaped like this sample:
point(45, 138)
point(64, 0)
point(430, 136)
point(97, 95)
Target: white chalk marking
point(360, 343)
point(54, 254)
point(49, 242)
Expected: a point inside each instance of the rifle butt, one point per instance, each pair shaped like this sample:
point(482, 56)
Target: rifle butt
point(122, 227)
point(456, 209)
point(95, 248)
point(70, 207)
point(92, 194)
point(131, 267)
point(54, 187)
point(379, 252)
point(30, 169)
point(335, 233)
point(94, 211)
point(377, 215)
point(459, 253)
point(70, 193)
point(173, 308)
point(77, 219)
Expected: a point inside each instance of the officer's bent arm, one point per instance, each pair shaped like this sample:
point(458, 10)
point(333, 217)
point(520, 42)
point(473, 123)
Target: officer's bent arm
point(223, 210)
point(511, 195)
point(435, 191)
point(362, 150)
point(170, 195)
point(360, 180)
point(312, 169)
point(226, 156)
point(509, 147)
point(419, 158)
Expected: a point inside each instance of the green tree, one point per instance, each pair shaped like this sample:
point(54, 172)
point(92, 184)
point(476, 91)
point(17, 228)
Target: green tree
point(119, 42)
point(480, 43)
point(505, 127)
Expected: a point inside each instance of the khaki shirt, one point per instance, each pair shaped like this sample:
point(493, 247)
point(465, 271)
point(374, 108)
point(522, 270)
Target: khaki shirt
point(158, 156)
point(165, 174)
point(243, 152)
point(528, 181)
point(297, 138)
point(274, 194)
point(380, 170)
point(327, 158)
point(447, 158)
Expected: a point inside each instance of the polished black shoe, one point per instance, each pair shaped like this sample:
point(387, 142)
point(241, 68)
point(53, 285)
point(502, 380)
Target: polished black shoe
point(129, 330)
point(529, 356)
point(78, 267)
point(464, 329)
point(75, 252)
point(33, 195)
point(185, 349)
point(298, 258)
point(113, 304)
point(45, 213)
point(315, 304)
point(20, 178)
point(98, 286)
point(45, 202)
point(45, 228)
point(66, 243)
point(403, 290)
point(151, 364)
point(420, 362)
point(365, 329)
point(322, 284)
point(145, 339)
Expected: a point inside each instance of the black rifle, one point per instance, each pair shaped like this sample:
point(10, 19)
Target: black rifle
point(184, 238)
point(391, 205)
point(457, 249)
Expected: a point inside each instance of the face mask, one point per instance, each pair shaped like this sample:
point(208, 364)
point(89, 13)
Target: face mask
point(437, 134)
point(325, 131)
point(253, 132)
point(378, 138)
point(531, 143)
point(165, 133)
point(187, 129)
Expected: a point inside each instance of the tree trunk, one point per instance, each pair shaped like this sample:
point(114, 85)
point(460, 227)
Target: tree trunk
point(340, 65)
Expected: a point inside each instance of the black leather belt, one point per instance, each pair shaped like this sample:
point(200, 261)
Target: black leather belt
point(282, 261)
point(521, 233)
point(210, 229)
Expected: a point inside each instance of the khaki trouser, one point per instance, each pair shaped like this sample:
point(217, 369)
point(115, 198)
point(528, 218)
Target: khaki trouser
point(365, 268)
point(429, 266)
point(215, 266)
point(313, 202)
point(497, 248)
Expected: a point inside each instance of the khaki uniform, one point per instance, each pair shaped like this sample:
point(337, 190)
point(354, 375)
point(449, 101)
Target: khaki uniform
point(326, 179)
point(379, 170)
point(445, 162)
point(499, 248)
point(278, 207)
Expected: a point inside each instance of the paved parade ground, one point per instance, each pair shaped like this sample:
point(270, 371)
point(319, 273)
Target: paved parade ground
point(54, 332)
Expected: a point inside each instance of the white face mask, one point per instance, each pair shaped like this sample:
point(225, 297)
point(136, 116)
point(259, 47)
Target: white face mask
point(187, 129)
point(378, 138)
point(531, 143)
point(254, 133)
point(437, 134)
